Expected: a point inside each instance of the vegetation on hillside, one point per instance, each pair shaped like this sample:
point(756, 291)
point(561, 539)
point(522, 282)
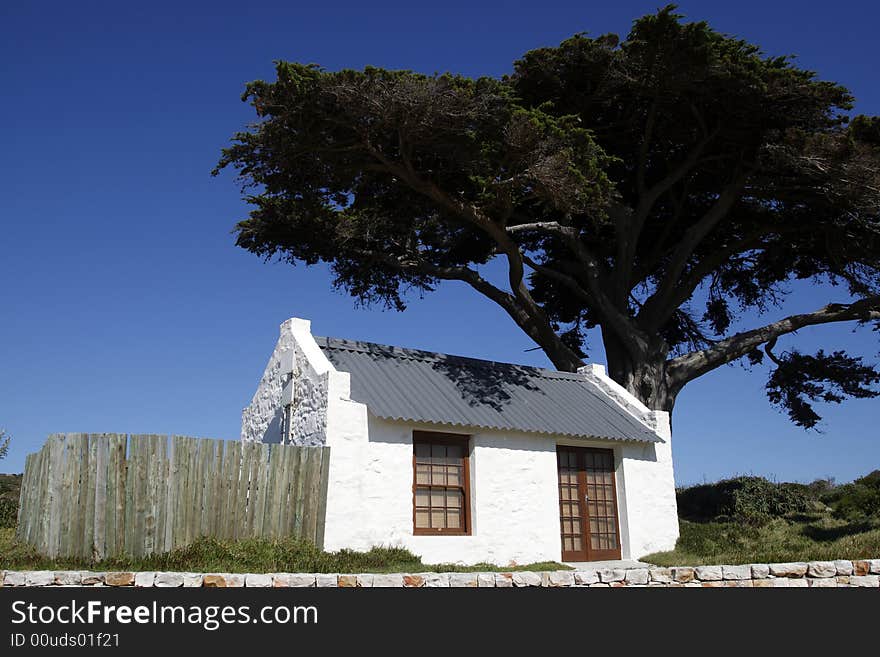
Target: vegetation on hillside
point(750, 519)
point(9, 489)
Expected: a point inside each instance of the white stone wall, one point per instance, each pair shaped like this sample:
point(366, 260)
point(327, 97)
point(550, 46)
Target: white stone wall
point(514, 494)
point(513, 497)
point(290, 404)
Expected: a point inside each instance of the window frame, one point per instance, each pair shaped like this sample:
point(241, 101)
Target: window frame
point(429, 438)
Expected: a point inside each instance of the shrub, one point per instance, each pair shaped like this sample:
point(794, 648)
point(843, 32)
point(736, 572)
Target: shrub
point(8, 512)
point(750, 500)
point(857, 501)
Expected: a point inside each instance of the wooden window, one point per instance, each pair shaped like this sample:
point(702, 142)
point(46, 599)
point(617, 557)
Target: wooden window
point(441, 484)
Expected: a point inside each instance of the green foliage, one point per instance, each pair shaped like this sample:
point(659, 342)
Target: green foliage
point(248, 556)
point(10, 485)
point(857, 501)
point(800, 378)
point(9, 494)
point(8, 512)
point(752, 520)
point(745, 500)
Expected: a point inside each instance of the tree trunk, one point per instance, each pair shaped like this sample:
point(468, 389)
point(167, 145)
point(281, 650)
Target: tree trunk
point(644, 375)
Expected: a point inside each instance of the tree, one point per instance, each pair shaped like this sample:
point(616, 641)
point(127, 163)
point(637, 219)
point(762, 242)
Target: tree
point(4, 443)
point(650, 190)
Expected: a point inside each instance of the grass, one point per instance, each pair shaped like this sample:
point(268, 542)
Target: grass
point(249, 556)
point(797, 537)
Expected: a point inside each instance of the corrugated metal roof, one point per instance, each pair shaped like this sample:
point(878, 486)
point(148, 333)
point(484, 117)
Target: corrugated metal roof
point(422, 386)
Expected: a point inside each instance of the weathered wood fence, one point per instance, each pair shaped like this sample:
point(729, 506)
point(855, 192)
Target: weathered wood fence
point(102, 495)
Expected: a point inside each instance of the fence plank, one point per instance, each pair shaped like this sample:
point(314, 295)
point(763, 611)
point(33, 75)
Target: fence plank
point(150, 480)
point(56, 482)
point(324, 481)
point(47, 500)
point(312, 490)
point(240, 505)
point(121, 478)
point(259, 497)
point(277, 491)
point(227, 483)
point(186, 492)
point(69, 517)
point(110, 498)
point(293, 492)
point(301, 489)
point(100, 483)
point(162, 490)
point(239, 518)
point(209, 449)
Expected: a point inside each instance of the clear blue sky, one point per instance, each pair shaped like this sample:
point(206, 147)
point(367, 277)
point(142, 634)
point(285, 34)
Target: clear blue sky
point(125, 305)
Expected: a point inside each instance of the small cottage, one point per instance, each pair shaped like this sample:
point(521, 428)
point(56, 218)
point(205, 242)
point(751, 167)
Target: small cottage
point(466, 460)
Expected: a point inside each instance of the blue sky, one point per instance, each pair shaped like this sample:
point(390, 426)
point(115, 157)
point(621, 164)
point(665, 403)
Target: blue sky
point(125, 305)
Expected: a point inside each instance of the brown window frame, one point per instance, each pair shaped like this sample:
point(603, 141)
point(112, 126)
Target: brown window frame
point(430, 438)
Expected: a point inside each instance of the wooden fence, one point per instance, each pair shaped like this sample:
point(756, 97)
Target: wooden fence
point(102, 495)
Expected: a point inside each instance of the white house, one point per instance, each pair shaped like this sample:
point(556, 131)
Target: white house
point(464, 460)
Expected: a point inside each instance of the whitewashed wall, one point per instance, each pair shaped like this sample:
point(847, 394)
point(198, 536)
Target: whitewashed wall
point(514, 494)
point(290, 404)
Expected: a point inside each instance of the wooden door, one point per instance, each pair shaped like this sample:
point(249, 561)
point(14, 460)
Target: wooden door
point(587, 504)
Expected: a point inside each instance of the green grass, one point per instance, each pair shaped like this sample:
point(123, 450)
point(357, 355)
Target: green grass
point(248, 556)
point(804, 537)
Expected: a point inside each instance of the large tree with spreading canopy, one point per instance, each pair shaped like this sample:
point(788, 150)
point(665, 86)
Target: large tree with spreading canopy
point(652, 191)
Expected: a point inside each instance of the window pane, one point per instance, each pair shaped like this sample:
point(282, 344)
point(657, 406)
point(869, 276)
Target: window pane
point(438, 497)
point(438, 451)
point(423, 474)
point(453, 452)
point(438, 518)
point(438, 475)
point(422, 497)
point(453, 499)
point(452, 476)
point(423, 451)
point(422, 521)
point(453, 518)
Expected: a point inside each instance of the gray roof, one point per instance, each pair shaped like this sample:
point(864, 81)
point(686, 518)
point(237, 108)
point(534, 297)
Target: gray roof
point(421, 386)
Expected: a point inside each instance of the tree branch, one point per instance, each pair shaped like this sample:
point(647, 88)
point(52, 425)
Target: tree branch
point(630, 225)
point(689, 366)
point(595, 293)
point(657, 308)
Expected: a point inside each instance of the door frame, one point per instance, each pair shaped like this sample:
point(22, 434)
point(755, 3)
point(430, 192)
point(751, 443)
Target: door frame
point(588, 553)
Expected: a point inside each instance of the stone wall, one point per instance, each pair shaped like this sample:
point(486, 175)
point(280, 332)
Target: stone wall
point(290, 404)
point(814, 574)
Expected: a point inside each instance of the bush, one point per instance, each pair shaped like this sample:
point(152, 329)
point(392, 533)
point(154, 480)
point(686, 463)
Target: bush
point(750, 500)
point(857, 501)
point(8, 512)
